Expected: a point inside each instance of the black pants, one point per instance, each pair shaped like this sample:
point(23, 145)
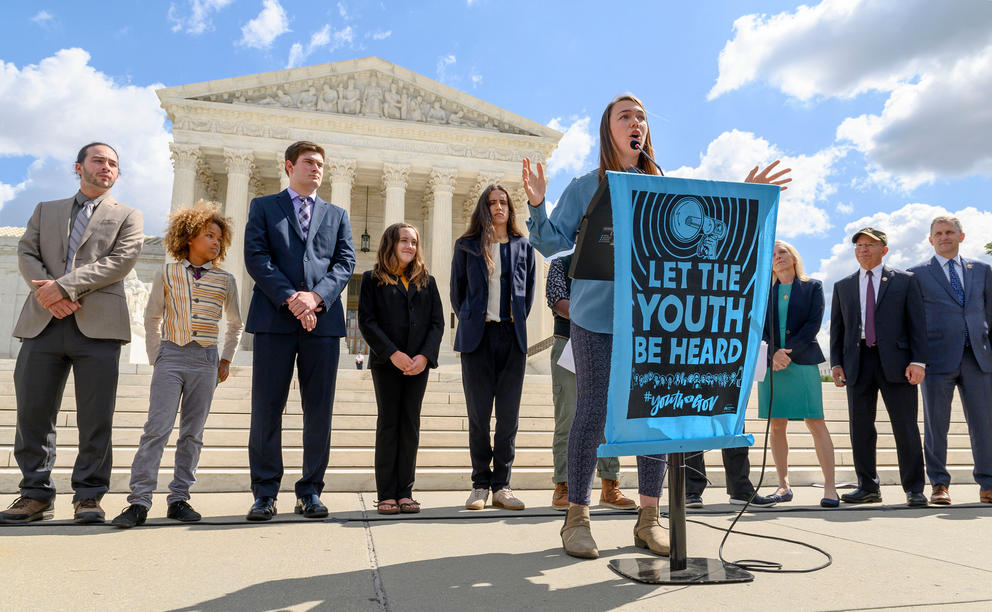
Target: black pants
point(493, 372)
point(39, 380)
point(901, 403)
point(397, 430)
point(316, 359)
point(735, 463)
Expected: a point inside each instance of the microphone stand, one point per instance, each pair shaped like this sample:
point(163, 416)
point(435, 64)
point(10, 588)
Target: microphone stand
point(636, 145)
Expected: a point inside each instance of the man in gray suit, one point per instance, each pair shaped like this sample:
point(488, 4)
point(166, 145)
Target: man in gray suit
point(957, 295)
point(74, 255)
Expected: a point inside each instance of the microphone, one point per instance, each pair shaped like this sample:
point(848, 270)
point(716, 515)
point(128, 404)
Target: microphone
point(636, 145)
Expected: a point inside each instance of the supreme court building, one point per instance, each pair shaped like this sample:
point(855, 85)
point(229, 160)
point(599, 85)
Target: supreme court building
point(399, 147)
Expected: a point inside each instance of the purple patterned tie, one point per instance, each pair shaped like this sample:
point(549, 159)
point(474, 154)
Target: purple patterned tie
point(870, 338)
point(197, 272)
point(305, 214)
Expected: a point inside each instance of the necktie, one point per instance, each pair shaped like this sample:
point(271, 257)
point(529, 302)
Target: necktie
point(870, 337)
point(197, 272)
point(305, 215)
point(955, 282)
point(82, 220)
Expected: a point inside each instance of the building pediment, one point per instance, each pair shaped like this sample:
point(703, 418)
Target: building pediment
point(369, 88)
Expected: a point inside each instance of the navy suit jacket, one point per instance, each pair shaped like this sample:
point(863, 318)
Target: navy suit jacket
point(947, 320)
point(396, 318)
point(281, 262)
point(802, 321)
point(470, 290)
point(899, 324)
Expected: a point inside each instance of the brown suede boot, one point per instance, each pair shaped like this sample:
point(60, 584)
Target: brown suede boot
point(576, 536)
point(612, 496)
point(559, 500)
point(648, 532)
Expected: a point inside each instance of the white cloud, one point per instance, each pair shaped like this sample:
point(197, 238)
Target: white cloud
point(476, 77)
point(572, 154)
point(844, 208)
point(53, 108)
point(443, 63)
point(732, 155)
point(936, 66)
point(321, 38)
point(270, 23)
point(43, 18)
point(380, 35)
point(198, 20)
point(342, 10)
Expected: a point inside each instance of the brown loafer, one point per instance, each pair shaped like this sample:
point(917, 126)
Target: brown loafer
point(940, 496)
point(985, 496)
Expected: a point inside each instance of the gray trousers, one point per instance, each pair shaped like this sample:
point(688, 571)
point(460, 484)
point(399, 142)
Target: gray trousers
point(182, 373)
point(563, 393)
point(975, 388)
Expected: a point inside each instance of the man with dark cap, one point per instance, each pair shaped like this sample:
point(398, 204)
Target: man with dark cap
point(878, 343)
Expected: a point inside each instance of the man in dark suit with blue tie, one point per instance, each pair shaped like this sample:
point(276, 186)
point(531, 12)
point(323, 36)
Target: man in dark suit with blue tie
point(957, 296)
point(878, 343)
point(299, 251)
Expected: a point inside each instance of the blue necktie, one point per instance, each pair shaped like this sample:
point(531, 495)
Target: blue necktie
point(82, 220)
point(955, 282)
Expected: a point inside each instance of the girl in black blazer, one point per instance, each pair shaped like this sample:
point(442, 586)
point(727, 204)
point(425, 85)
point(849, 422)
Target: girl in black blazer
point(492, 289)
point(399, 314)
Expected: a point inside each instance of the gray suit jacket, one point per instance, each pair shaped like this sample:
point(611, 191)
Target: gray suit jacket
point(107, 252)
point(947, 320)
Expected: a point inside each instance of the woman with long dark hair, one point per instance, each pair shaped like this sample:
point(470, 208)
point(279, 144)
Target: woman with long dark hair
point(492, 289)
point(401, 319)
point(591, 312)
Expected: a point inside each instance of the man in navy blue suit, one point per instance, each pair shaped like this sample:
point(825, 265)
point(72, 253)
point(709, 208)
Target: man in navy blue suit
point(299, 251)
point(957, 298)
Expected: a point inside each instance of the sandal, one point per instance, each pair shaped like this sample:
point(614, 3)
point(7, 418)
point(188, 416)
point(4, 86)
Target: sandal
point(410, 507)
point(387, 507)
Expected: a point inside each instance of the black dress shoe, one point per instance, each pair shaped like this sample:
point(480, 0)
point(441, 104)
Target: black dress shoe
point(182, 511)
point(861, 496)
point(132, 516)
point(310, 507)
point(916, 500)
point(263, 509)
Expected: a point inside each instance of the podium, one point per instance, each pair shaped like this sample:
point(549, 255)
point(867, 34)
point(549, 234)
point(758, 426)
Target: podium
point(690, 263)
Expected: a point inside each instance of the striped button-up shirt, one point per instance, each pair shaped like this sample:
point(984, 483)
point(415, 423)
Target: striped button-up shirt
point(183, 309)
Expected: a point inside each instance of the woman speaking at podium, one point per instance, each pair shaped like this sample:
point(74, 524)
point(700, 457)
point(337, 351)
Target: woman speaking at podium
point(623, 133)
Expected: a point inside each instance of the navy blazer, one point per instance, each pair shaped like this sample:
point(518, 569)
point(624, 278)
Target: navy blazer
point(282, 262)
point(899, 324)
point(396, 318)
point(802, 321)
point(947, 320)
point(470, 290)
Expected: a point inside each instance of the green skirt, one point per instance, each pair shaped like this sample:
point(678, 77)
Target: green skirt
point(798, 393)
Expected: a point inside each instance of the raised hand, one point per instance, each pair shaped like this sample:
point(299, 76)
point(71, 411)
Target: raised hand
point(535, 184)
point(769, 179)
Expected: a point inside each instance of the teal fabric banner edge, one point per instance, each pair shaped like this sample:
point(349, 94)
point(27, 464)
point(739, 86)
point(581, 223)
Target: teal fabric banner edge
point(662, 447)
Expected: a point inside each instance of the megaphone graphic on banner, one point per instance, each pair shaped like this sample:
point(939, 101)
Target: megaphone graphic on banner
point(688, 223)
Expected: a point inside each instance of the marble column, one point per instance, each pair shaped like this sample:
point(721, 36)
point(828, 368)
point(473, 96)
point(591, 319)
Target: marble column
point(240, 165)
point(394, 180)
point(184, 163)
point(341, 173)
point(442, 186)
point(281, 173)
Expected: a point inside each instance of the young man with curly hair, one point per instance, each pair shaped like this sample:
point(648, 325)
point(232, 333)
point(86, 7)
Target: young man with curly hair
point(187, 301)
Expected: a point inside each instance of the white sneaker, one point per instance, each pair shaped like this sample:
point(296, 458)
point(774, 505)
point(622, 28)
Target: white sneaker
point(504, 498)
point(477, 499)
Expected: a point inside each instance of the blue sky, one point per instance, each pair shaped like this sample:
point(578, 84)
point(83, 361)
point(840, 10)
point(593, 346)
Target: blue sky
point(881, 108)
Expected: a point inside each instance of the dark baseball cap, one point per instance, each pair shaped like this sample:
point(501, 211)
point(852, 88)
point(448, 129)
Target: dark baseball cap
point(872, 233)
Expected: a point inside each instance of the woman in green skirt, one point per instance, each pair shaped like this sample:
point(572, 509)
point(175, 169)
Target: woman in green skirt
point(796, 306)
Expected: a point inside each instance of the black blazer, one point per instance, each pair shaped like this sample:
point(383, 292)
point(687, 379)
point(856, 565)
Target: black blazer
point(899, 324)
point(470, 290)
point(802, 321)
point(393, 318)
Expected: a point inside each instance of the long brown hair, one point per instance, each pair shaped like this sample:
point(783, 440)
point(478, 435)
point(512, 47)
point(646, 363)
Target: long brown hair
point(387, 266)
point(480, 226)
point(609, 157)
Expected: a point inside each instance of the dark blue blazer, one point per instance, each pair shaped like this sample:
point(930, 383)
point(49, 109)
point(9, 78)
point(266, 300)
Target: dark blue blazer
point(470, 290)
point(899, 323)
point(802, 321)
point(947, 320)
point(282, 262)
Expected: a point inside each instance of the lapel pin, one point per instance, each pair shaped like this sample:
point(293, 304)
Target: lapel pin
point(885, 278)
point(969, 266)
